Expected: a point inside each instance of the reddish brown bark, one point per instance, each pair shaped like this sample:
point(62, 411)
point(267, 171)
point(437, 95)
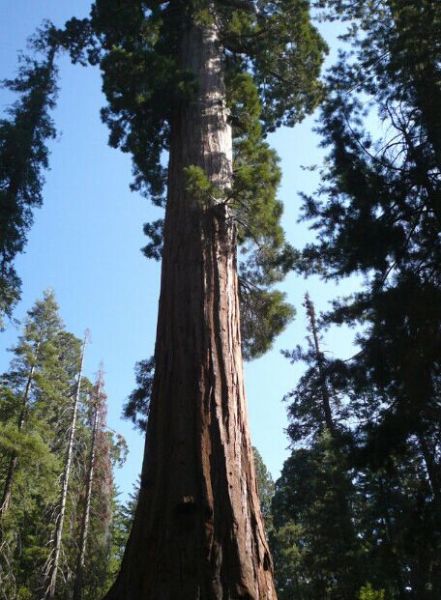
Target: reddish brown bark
point(198, 532)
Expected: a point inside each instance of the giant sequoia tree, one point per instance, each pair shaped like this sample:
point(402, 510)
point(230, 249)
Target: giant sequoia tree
point(205, 81)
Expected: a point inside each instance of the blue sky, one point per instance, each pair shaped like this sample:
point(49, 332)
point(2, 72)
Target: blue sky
point(86, 241)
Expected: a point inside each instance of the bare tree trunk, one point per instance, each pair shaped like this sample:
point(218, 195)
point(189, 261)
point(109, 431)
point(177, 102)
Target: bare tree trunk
point(390, 536)
point(432, 467)
point(53, 562)
point(7, 490)
point(326, 399)
point(198, 532)
point(84, 531)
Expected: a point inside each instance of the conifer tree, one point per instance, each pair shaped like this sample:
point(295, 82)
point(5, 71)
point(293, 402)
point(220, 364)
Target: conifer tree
point(378, 212)
point(39, 450)
point(85, 518)
point(24, 131)
point(265, 487)
point(94, 557)
point(33, 356)
point(230, 71)
point(317, 549)
point(26, 525)
point(52, 566)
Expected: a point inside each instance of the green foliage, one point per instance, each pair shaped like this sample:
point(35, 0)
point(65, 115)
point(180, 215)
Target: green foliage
point(368, 593)
point(287, 556)
point(35, 416)
point(265, 256)
point(144, 83)
point(200, 188)
point(24, 131)
point(284, 53)
point(29, 405)
point(264, 315)
point(124, 514)
point(377, 213)
point(272, 65)
point(265, 487)
point(312, 498)
point(360, 512)
point(136, 408)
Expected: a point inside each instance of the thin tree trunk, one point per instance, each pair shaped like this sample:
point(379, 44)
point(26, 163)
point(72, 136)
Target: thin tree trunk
point(7, 490)
point(326, 399)
point(198, 532)
point(343, 485)
point(54, 558)
point(84, 531)
point(390, 536)
point(432, 468)
point(423, 70)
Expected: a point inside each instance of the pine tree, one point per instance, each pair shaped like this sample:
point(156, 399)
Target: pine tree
point(33, 355)
point(54, 434)
point(94, 564)
point(24, 132)
point(265, 488)
point(33, 448)
point(378, 213)
point(53, 563)
point(317, 550)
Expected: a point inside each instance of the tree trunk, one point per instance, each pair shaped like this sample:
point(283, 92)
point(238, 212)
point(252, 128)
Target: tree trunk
point(53, 562)
point(84, 531)
point(325, 396)
point(394, 550)
point(198, 532)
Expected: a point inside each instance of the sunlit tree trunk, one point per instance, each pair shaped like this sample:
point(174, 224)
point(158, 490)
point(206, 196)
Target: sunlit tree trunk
point(53, 563)
point(324, 392)
point(85, 520)
point(198, 531)
point(431, 466)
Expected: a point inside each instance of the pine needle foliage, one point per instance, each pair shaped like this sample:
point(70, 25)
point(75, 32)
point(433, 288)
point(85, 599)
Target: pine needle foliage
point(25, 129)
point(272, 68)
point(377, 211)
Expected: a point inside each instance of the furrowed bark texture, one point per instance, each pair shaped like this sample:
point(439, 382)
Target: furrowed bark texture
point(198, 531)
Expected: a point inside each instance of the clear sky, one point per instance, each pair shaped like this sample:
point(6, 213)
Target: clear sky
point(86, 241)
